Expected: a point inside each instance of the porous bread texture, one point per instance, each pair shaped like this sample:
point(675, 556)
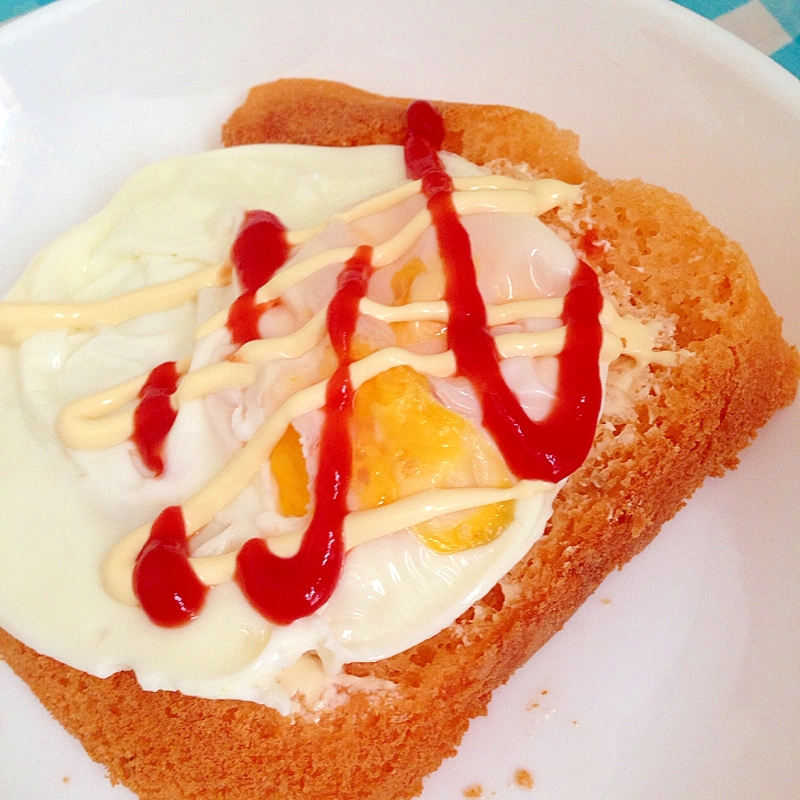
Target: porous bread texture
point(662, 260)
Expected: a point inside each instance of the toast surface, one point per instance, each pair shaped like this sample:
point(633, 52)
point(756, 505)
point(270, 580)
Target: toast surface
point(662, 259)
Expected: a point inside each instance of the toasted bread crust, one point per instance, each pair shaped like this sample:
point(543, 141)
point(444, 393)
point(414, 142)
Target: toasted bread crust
point(663, 257)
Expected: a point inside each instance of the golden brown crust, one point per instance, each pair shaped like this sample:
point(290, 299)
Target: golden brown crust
point(697, 417)
point(337, 115)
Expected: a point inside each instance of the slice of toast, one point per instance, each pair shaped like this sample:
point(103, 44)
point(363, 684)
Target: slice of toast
point(659, 259)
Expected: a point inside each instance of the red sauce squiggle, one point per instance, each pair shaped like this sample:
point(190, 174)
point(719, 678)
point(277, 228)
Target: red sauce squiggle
point(154, 415)
point(244, 316)
point(285, 589)
point(163, 580)
point(260, 249)
point(555, 447)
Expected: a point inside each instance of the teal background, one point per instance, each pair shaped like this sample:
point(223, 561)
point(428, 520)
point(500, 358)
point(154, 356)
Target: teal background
point(13, 8)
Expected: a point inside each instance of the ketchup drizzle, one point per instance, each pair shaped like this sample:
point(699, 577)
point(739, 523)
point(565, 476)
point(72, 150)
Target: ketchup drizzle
point(260, 249)
point(285, 589)
point(556, 446)
point(243, 317)
point(163, 580)
point(154, 415)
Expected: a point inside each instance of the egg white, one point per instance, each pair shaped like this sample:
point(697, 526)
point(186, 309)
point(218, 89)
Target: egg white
point(62, 511)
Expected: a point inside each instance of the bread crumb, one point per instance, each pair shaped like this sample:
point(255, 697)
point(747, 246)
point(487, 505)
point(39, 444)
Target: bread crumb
point(523, 778)
point(476, 791)
point(531, 706)
point(65, 779)
point(606, 601)
point(510, 590)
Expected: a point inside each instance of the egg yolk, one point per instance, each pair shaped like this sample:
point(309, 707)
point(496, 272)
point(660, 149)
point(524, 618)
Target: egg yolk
point(405, 441)
point(291, 475)
point(403, 280)
point(409, 333)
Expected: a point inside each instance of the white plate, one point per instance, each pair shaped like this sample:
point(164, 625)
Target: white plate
point(680, 678)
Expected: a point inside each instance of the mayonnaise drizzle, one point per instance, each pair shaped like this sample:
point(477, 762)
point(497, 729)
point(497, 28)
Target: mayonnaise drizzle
point(102, 420)
point(89, 423)
point(18, 321)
